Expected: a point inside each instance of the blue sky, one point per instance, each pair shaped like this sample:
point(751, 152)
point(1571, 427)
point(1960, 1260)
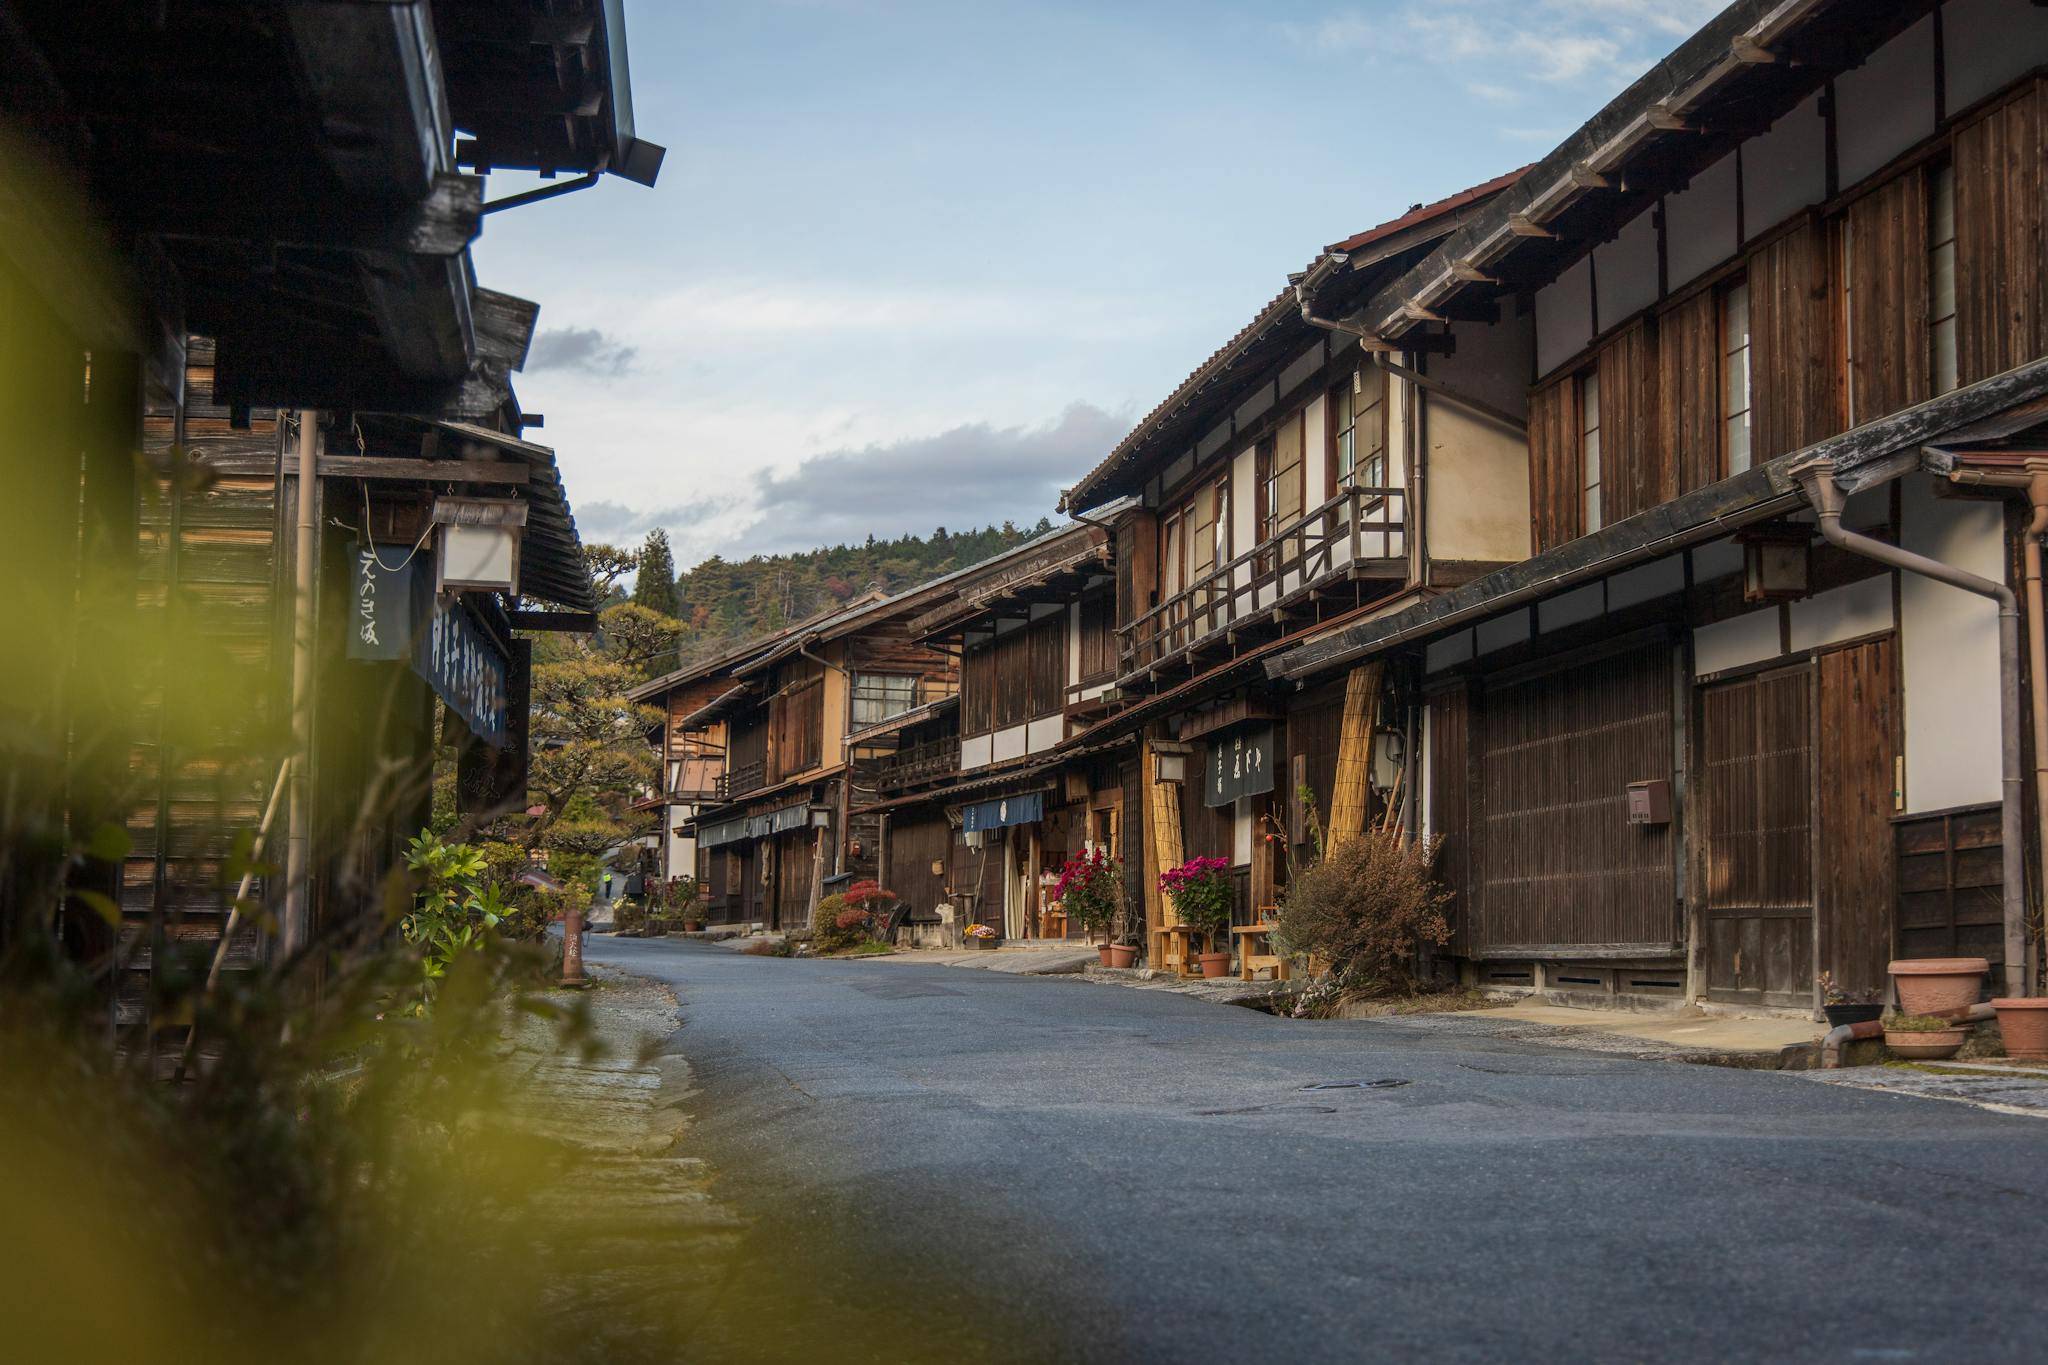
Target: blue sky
point(913, 264)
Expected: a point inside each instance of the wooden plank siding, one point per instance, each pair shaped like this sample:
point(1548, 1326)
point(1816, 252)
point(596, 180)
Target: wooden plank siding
point(1792, 342)
point(1556, 515)
point(1887, 303)
point(1950, 885)
point(1636, 470)
point(1015, 678)
point(1450, 808)
point(917, 840)
point(1756, 837)
point(1559, 864)
point(1859, 736)
point(2001, 276)
point(1689, 410)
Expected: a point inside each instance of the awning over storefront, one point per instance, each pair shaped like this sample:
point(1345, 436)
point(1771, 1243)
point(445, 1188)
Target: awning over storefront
point(737, 828)
point(1009, 810)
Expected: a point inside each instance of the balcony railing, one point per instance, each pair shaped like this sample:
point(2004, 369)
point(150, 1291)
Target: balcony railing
point(1361, 531)
point(736, 782)
point(924, 762)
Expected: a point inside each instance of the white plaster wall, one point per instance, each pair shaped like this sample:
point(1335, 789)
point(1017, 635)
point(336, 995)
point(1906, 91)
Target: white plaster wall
point(1315, 459)
point(1010, 743)
point(1885, 105)
point(1090, 693)
point(1492, 362)
point(1044, 732)
point(1747, 639)
point(1625, 270)
point(1844, 613)
point(1254, 407)
point(1988, 43)
point(1241, 831)
point(1244, 526)
point(1785, 170)
point(1297, 372)
point(1564, 316)
point(1699, 223)
point(1949, 652)
point(1477, 489)
point(977, 751)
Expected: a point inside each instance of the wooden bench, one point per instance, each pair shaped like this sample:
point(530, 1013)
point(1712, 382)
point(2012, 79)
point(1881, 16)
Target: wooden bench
point(1251, 963)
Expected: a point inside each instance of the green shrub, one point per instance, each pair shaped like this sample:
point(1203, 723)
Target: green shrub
point(1367, 908)
point(629, 917)
point(837, 926)
point(1918, 1023)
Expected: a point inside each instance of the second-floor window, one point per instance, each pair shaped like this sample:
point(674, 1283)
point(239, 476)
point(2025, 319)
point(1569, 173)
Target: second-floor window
point(879, 696)
point(1589, 450)
point(1280, 485)
point(1735, 375)
point(1358, 431)
point(1196, 539)
point(1941, 276)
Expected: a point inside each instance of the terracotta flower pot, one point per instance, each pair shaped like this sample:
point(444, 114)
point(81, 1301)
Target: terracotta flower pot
point(2024, 1024)
point(1214, 964)
point(1935, 1046)
point(1936, 985)
point(989, 942)
point(1123, 954)
point(1105, 950)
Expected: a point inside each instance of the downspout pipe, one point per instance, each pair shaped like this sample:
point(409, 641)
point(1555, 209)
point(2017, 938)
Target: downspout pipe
point(1838, 1038)
point(1816, 478)
point(2034, 479)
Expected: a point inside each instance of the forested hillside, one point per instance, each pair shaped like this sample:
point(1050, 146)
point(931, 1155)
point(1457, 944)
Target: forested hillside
point(722, 602)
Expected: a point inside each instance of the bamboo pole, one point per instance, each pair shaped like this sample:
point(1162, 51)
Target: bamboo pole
point(1352, 795)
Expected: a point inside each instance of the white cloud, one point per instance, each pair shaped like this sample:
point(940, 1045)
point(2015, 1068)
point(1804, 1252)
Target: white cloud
point(1507, 44)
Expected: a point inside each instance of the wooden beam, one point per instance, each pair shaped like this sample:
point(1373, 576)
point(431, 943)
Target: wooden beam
point(1522, 225)
point(1586, 178)
point(1750, 52)
point(1666, 119)
point(457, 471)
point(1471, 274)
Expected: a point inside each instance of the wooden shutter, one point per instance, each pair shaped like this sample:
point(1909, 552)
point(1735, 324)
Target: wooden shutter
point(1689, 401)
point(1635, 473)
point(1554, 465)
point(1450, 808)
point(2001, 282)
point(1792, 369)
point(1048, 671)
point(1888, 356)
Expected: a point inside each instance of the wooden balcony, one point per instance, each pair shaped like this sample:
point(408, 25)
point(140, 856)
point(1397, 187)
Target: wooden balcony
point(737, 782)
point(926, 762)
point(1360, 533)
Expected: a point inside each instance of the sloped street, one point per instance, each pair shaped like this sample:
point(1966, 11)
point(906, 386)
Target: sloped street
point(1031, 1168)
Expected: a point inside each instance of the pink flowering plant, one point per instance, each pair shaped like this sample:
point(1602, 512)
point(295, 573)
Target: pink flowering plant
point(1201, 894)
point(1090, 889)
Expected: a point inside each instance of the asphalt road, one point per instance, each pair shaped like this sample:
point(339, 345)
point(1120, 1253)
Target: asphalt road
point(1018, 1168)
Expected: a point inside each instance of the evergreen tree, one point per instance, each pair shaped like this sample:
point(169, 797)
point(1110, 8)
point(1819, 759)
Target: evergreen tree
point(655, 588)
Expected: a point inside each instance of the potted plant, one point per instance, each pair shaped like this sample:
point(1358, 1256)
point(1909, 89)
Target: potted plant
point(981, 936)
point(1844, 1006)
point(2024, 1026)
point(1936, 985)
point(1201, 894)
point(1090, 890)
point(1922, 1037)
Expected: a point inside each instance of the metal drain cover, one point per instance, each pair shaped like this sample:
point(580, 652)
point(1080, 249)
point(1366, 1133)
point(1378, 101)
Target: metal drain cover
point(1385, 1083)
point(1266, 1109)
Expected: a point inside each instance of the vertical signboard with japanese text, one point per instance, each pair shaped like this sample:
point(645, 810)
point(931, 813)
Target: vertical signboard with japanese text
point(1240, 764)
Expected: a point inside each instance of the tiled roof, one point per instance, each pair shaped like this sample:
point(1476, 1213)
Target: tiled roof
point(1280, 310)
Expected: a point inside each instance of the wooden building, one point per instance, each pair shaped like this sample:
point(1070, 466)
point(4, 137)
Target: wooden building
point(235, 240)
point(986, 796)
point(1295, 480)
point(1700, 746)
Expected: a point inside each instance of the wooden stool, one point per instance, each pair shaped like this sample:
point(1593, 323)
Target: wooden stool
point(1251, 962)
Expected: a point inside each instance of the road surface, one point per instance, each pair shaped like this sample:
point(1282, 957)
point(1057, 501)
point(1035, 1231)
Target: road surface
point(947, 1164)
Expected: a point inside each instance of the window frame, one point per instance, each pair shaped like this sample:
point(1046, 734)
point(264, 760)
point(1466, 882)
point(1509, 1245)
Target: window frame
point(1725, 293)
point(1588, 445)
point(855, 697)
